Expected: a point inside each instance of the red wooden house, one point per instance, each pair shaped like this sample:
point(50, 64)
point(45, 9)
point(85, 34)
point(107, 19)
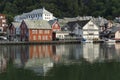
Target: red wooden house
point(35, 30)
point(55, 25)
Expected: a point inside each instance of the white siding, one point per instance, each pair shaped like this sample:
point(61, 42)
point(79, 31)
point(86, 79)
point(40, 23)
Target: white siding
point(90, 31)
point(91, 51)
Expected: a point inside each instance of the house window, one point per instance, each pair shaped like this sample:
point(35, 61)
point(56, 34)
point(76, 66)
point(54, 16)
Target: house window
point(1, 16)
point(0, 30)
point(91, 33)
point(34, 37)
point(40, 31)
point(3, 21)
point(39, 37)
point(91, 26)
point(43, 37)
point(56, 25)
point(46, 37)
point(46, 31)
point(34, 31)
point(3, 25)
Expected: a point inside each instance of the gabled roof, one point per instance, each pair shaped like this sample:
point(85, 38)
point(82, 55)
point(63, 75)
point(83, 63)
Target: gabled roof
point(52, 22)
point(80, 23)
point(37, 24)
point(43, 10)
point(100, 21)
point(114, 29)
point(16, 24)
point(36, 11)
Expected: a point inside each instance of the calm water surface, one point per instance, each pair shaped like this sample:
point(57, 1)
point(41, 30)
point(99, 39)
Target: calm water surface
point(85, 61)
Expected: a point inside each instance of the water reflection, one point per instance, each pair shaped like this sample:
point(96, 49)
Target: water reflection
point(91, 51)
point(41, 58)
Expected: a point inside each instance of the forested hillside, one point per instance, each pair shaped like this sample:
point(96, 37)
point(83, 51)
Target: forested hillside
point(62, 8)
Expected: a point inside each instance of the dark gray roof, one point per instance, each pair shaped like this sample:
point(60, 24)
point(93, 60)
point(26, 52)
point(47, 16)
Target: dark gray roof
point(71, 25)
point(81, 23)
point(114, 29)
point(51, 22)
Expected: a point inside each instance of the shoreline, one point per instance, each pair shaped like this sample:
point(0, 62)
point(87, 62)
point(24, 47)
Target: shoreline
point(35, 42)
point(49, 42)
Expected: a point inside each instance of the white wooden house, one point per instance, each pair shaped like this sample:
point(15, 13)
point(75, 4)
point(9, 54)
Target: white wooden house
point(85, 29)
point(75, 27)
point(91, 31)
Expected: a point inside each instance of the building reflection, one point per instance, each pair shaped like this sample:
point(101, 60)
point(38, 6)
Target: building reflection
point(107, 52)
point(101, 52)
point(91, 51)
point(117, 49)
point(3, 59)
point(36, 57)
point(41, 58)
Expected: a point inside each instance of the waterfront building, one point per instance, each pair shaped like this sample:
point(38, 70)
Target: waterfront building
point(35, 30)
point(75, 27)
point(3, 24)
point(82, 29)
point(114, 32)
point(14, 31)
point(55, 25)
point(37, 14)
point(61, 35)
point(91, 31)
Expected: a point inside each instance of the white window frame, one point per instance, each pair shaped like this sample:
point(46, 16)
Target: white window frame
point(34, 31)
point(39, 37)
point(40, 31)
point(34, 37)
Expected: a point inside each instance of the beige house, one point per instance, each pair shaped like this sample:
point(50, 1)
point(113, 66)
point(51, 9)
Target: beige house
point(115, 33)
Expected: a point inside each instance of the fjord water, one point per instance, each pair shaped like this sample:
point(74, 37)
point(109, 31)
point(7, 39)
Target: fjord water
point(85, 61)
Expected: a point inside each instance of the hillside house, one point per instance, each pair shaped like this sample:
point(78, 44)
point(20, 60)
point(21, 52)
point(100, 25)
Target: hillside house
point(37, 14)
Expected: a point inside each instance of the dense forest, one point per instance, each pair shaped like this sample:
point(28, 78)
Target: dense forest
point(62, 8)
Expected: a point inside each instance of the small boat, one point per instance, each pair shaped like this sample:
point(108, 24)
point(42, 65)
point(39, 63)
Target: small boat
point(110, 41)
point(86, 40)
